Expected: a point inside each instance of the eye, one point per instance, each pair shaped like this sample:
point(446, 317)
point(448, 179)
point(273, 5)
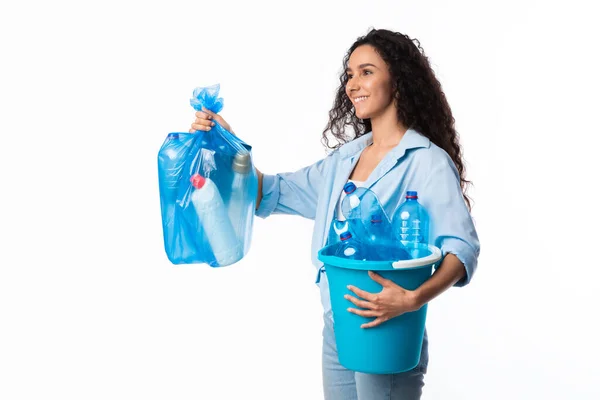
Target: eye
point(367, 72)
point(348, 76)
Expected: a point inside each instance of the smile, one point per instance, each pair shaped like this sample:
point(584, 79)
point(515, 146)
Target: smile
point(359, 99)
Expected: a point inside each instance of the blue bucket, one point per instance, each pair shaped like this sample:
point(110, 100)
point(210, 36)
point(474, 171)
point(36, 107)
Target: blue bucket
point(395, 345)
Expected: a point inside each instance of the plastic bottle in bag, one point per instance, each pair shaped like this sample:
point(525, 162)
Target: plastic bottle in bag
point(171, 159)
point(411, 224)
point(240, 207)
point(211, 211)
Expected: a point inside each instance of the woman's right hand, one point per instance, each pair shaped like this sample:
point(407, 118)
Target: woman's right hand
point(205, 121)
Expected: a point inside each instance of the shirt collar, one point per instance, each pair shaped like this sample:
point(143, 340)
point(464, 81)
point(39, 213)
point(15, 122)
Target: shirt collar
point(411, 140)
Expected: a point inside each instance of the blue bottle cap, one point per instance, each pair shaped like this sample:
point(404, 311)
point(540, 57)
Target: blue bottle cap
point(345, 236)
point(349, 187)
point(173, 135)
point(411, 195)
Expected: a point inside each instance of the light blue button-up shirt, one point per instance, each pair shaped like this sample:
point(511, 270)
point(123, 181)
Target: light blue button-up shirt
point(414, 164)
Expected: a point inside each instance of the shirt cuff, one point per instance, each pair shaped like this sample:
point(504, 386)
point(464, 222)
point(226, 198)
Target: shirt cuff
point(270, 196)
point(465, 253)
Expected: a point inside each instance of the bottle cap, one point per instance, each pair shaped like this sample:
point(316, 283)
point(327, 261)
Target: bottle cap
point(241, 162)
point(349, 187)
point(411, 195)
point(345, 236)
point(173, 135)
point(198, 181)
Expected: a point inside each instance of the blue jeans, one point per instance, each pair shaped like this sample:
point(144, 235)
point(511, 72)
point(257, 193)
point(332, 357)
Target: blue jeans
point(340, 383)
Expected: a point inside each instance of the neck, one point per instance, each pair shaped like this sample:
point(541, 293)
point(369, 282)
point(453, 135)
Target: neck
point(387, 129)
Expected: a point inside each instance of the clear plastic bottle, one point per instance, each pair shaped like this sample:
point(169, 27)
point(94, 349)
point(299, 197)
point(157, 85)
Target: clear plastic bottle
point(411, 224)
point(381, 242)
point(171, 159)
point(379, 229)
point(336, 229)
point(357, 207)
point(350, 248)
point(211, 211)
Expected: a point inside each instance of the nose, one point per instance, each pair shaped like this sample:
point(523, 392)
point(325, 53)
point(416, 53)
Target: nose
point(352, 85)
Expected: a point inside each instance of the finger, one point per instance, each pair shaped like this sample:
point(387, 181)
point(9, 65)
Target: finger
point(375, 322)
point(361, 293)
point(208, 112)
point(363, 313)
point(379, 279)
point(203, 115)
point(360, 303)
point(199, 127)
point(205, 122)
point(214, 116)
point(192, 131)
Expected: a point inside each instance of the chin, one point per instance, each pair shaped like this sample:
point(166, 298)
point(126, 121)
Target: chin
point(362, 115)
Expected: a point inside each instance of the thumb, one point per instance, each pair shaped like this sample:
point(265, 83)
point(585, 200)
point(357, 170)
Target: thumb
point(378, 278)
point(214, 116)
point(219, 119)
point(206, 110)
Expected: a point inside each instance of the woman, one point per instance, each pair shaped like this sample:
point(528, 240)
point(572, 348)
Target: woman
point(403, 139)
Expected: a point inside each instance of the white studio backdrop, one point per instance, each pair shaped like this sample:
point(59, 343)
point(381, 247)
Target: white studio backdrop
point(90, 307)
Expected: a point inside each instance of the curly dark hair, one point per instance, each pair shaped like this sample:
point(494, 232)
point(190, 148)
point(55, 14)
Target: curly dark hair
point(422, 104)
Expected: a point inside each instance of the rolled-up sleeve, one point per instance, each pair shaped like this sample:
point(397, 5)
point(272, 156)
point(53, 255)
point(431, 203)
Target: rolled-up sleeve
point(451, 225)
point(294, 193)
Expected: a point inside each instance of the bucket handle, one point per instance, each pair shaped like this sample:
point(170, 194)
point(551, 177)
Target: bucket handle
point(435, 256)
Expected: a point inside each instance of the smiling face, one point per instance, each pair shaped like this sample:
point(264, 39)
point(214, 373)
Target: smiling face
point(369, 85)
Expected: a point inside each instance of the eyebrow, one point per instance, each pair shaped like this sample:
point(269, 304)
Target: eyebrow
point(361, 66)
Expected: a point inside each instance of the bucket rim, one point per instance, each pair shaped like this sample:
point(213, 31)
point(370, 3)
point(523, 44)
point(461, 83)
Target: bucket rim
point(433, 258)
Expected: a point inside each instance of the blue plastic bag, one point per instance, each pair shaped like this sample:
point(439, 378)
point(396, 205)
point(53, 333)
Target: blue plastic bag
point(208, 187)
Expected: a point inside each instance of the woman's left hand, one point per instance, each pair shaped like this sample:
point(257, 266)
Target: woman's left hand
point(392, 301)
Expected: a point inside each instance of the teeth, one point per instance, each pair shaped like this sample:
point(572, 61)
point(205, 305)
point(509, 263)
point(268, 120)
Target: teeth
point(359, 99)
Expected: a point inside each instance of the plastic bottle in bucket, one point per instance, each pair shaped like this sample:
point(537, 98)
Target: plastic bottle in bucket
point(382, 240)
point(211, 211)
point(350, 248)
point(337, 228)
point(358, 206)
point(379, 229)
point(411, 224)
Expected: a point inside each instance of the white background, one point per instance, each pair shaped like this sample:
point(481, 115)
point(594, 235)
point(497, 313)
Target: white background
point(90, 307)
